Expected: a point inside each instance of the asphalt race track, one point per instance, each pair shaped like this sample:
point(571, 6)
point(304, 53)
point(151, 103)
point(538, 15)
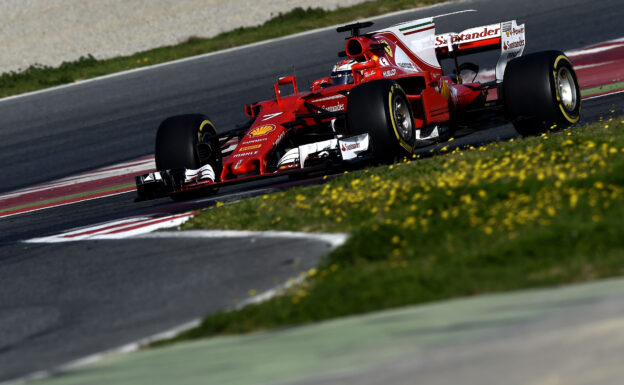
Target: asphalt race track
point(64, 301)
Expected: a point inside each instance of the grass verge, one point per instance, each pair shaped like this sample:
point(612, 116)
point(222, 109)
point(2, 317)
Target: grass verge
point(37, 77)
point(525, 213)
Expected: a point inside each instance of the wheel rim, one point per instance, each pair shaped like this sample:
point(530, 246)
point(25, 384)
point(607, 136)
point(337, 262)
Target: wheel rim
point(403, 118)
point(567, 89)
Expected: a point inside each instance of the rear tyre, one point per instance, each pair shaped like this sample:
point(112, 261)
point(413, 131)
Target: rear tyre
point(177, 142)
point(380, 108)
point(541, 92)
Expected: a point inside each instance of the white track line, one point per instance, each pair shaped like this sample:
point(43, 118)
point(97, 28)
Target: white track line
point(599, 47)
point(334, 240)
point(593, 65)
point(603, 95)
point(118, 229)
point(229, 50)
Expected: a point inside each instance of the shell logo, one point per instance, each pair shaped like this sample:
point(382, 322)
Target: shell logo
point(262, 130)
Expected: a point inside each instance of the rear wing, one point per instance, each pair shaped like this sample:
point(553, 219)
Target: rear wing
point(507, 36)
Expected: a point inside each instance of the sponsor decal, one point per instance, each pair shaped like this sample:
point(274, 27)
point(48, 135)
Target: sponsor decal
point(244, 154)
point(441, 40)
point(517, 31)
point(336, 108)
point(258, 140)
point(238, 163)
point(247, 148)
point(262, 130)
point(270, 116)
point(389, 73)
point(384, 62)
point(512, 55)
point(387, 47)
point(337, 96)
point(368, 74)
point(462, 37)
point(403, 60)
point(352, 146)
point(515, 44)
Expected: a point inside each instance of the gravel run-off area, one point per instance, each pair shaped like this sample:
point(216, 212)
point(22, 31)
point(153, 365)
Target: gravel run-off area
point(49, 32)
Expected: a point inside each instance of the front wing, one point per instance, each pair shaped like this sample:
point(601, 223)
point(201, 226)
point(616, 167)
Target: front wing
point(332, 155)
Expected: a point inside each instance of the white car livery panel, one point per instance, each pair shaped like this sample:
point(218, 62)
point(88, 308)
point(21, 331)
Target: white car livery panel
point(509, 33)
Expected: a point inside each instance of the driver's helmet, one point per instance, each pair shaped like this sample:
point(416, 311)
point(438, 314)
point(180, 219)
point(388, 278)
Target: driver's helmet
point(342, 74)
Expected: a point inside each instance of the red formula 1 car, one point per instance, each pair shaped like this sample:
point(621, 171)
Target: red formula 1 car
point(387, 96)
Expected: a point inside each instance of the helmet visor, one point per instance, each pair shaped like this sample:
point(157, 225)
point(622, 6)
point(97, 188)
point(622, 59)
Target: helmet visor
point(342, 77)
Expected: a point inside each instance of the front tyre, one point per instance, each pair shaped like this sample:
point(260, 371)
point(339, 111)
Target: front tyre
point(177, 147)
point(541, 92)
point(380, 108)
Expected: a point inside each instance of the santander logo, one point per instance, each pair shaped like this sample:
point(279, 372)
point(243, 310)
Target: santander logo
point(482, 33)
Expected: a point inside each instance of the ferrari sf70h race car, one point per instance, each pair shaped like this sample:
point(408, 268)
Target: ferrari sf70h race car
point(385, 97)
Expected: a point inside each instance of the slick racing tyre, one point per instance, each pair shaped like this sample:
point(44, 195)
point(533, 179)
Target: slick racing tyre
point(381, 109)
point(541, 92)
point(177, 147)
